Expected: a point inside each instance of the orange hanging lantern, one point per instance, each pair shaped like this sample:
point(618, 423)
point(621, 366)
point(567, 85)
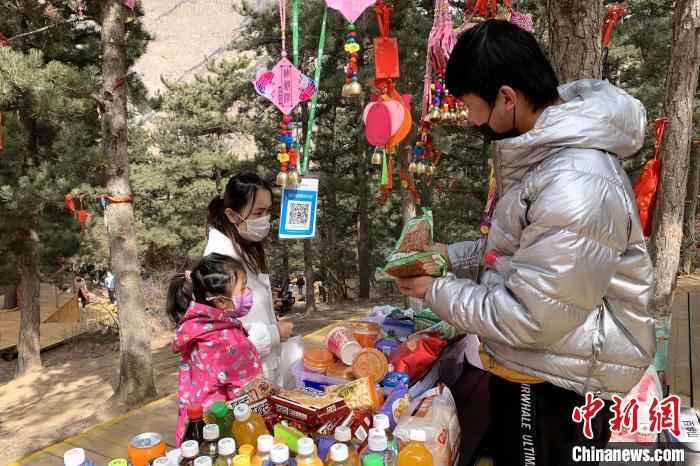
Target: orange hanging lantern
point(647, 184)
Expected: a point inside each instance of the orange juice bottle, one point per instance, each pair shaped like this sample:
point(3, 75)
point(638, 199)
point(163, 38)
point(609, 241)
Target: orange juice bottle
point(262, 455)
point(307, 453)
point(343, 434)
point(415, 453)
point(248, 425)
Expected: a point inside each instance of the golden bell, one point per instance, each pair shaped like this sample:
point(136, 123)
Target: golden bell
point(293, 178)
point(434, 115)
point(377, 158)
point(421, 168)
point(413, 168)
point(430, 170)
point(355, 89)
point(282, 179)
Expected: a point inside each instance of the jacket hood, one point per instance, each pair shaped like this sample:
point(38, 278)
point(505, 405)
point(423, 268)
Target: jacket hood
point(594, 115)
point(199, 321)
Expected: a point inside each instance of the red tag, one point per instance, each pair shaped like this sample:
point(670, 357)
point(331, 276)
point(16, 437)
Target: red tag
point(386, 58)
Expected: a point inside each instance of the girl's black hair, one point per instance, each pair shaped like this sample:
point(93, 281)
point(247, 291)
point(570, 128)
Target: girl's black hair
point(241, 191)
point(211, 277)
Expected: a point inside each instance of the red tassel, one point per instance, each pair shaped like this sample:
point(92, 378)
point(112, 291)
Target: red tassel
point(648, 182)
point(70, 203)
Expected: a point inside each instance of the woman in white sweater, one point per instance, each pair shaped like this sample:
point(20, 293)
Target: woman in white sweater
point(238, 222)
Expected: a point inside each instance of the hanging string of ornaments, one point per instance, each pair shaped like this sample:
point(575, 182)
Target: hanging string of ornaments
point(285, 86)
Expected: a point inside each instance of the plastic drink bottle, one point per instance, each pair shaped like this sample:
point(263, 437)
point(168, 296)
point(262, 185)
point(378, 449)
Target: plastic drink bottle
point(343, 435)
point(241, 460)
point(265, 443)
point(195, 426)
point(307, 453)
point(415, 453)
point(190, 451)
point(379, 445)
point(76, 457)
point(381, 421)
point(211, 439)
point(247, 450)
point(248, 425)
point(279, 456)
point(221, 415)
point(340, 455)
point(227, 451)
point(203, 461)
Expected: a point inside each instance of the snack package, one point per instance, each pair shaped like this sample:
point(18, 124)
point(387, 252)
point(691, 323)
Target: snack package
point(396, 403)
point(411, 257)
point(311, 409)
point(435, 412)
point(428, 320)
point(418, 353)
point(646, 390)
point(358, 394)
point(259, 389)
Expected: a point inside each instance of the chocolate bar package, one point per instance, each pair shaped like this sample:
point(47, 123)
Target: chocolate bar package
point(311, 410)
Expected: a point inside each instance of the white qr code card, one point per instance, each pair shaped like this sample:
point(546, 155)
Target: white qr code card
point(298, 216)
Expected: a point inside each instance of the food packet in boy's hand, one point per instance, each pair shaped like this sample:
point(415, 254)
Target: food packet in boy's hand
point(435, 412)
point(411, 257)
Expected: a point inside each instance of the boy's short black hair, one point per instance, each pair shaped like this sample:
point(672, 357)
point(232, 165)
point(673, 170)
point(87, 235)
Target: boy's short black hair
point(498, 53)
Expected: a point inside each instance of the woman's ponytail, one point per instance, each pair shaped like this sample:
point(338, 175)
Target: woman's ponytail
point(216, 216)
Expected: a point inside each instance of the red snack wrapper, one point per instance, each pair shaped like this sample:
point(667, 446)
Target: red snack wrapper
point(261, 407)
point(386, 58)
point(311, 410)
point(358, 420)
point(417, 354)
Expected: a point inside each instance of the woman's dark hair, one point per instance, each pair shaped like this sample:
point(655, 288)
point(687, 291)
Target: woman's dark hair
point(241, 191)
point(211, 277)
point(498, 53)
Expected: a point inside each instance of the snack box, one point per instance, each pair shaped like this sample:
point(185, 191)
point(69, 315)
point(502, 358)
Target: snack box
point(309, 408)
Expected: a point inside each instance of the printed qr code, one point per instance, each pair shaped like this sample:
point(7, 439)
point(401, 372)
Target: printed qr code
point(299, 215)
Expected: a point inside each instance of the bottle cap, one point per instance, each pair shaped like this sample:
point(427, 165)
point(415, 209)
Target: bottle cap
point(378, 441)
point(381, 421)
point(339, 452)
point(343, 434)
point(241, 460)
point(194, 412)
point(373, 459)
point(190, 449)
point(74, 457)
point(211, 432)
point(417, 435)
point(279, 454)
point(265, 443)
point(203, 461)
point(175, 456)
point(305, 446)
point(162, 461)
point(241, 412)
point(227, 446)
point(123, 462)
point(219, 409)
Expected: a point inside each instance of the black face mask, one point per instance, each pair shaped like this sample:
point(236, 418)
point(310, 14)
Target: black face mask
point(491, 135)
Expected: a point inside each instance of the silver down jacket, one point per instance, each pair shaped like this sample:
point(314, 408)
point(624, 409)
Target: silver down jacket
point(567, 298)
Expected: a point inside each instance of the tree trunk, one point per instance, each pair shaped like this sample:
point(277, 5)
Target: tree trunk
point(135, 366)
point(689, 252)
point(285, 265)
point(681, 83)
point(575, 38)
point(363, 240)
point(309, 275)
point(28, 344)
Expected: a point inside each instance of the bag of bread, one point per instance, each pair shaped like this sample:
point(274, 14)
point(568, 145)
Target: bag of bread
point(435, 412)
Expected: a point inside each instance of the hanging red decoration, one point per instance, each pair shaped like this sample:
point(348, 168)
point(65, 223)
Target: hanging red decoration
point(386, 49)
point(616, 12)
point(647, 184)
point(70, 203)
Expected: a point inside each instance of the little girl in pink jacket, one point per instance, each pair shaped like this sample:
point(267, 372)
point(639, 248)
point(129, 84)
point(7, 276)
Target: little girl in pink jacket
point(217, 359)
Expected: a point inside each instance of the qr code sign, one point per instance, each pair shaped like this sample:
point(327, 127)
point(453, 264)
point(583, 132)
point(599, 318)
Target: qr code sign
point(299, 215)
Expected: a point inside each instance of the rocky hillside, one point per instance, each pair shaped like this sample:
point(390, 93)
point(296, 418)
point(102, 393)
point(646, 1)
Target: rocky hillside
point(186, 34)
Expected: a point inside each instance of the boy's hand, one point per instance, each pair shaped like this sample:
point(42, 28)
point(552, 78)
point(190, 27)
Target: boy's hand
point(415, 287)
point(285, 328)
